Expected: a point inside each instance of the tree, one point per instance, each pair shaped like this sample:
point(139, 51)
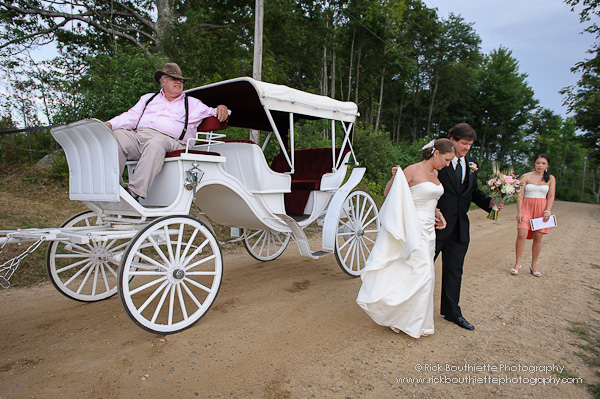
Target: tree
point(30, 23)
point(505, 105)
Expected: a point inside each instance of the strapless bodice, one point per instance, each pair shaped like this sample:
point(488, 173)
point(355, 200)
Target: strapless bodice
point(536, 191)
point(425, 196)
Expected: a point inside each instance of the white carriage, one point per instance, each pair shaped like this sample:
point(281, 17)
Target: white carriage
point(166, 265)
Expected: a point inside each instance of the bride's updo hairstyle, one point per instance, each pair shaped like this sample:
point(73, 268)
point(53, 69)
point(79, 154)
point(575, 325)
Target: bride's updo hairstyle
point(444, 146)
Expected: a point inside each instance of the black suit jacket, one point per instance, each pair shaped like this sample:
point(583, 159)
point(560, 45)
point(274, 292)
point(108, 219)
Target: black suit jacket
point(455, 203)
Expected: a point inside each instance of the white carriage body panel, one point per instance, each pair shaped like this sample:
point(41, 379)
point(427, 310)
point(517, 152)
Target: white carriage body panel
point(247, 163)
point(316, 205)
point(92, 155)
point(332, 181)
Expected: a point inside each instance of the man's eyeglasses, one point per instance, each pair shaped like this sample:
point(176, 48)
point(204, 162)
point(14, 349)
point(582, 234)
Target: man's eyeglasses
point(175, 79)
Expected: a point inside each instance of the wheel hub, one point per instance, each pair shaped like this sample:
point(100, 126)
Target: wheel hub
point(178, 274)
point(99, 256)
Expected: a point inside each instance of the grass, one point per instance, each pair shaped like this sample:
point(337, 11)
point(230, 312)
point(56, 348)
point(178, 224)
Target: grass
point(590, 350)
point(595, 290)
point(30, 198)
point(567, 374)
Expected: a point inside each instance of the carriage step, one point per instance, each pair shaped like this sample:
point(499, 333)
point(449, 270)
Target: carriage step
point(320, 254)
point(300, 238)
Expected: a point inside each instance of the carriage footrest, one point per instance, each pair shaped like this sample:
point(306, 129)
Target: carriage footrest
point(300, 238)
point(321, 253)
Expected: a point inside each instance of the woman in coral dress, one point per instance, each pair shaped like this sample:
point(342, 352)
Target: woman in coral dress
point(535, 200)
point(398, 279)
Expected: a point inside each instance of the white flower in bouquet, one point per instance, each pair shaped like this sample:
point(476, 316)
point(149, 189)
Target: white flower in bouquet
point(502, 185)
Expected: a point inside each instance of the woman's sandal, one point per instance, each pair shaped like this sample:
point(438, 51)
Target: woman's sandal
point(536, 274)
point(515, 271)
point(394, 329)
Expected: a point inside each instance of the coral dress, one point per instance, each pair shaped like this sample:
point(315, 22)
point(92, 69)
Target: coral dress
point(534, 205)
point(398, 280)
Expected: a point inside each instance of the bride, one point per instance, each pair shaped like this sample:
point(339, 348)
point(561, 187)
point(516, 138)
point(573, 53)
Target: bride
point(398, 279)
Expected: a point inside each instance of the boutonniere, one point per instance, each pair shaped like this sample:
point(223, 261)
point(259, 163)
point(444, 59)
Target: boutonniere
point(473, 167)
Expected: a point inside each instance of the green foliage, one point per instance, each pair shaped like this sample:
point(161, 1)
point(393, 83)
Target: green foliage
point(506, 103)
point(412, 74)
point(379, 155)
point(110, 85)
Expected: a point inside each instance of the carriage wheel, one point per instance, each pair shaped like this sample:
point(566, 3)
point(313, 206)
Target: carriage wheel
point(85, 272)
point(178, 274)
point(357, 229)
point(265, 245)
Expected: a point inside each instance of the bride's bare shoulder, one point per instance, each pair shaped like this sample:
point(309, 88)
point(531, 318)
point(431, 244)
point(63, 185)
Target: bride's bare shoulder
point(411, 168)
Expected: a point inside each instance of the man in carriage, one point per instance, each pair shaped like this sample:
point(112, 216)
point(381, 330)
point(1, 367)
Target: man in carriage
point(159, 123)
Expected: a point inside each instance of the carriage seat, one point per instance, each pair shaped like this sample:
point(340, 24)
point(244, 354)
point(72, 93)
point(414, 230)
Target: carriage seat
point(312, 167)
point(176, 153)
point(311, 164)
point(246, 162)
point(209, 124)
point(212, 123)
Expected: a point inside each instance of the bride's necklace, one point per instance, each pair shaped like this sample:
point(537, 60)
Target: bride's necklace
point(431, 173)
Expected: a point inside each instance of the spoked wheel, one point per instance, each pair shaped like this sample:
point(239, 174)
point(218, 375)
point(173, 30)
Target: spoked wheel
point(265, 245)
point(178, 267)
point(85, 272)
point(357, 229)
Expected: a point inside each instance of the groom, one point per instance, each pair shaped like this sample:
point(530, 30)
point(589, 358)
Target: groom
point(460, 189)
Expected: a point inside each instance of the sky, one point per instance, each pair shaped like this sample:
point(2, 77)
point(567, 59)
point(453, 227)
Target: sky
point(543, 35)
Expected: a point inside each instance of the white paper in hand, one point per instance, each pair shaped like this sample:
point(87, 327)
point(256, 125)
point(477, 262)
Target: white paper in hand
point(537, 224)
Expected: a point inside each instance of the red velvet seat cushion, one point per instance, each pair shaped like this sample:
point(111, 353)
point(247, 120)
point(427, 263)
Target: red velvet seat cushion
point(239, 141)
point(306, 184)
point(211, 124)
point(176, 153)
point(310, 164)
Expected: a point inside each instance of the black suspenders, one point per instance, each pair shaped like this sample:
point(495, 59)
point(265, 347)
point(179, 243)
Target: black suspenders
point(185, 102)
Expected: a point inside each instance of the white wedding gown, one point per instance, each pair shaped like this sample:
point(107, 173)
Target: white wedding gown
point(398, 279)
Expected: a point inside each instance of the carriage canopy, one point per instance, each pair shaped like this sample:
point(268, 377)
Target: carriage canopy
point(252, 101)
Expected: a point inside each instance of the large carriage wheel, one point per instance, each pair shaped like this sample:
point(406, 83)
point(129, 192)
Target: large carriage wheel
point(85, 272)
point(357, 229)
point(265, 245)
point(177, 274)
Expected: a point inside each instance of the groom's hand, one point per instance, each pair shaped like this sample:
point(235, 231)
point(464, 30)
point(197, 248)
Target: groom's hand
point(499, 206)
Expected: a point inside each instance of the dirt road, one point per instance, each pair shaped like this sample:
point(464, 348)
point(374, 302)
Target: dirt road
point(290, 328)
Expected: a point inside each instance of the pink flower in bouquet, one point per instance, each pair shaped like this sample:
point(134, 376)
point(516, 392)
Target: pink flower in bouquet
point(502, 186)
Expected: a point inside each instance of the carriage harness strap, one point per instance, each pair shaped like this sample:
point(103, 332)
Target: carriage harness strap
point(185, 101)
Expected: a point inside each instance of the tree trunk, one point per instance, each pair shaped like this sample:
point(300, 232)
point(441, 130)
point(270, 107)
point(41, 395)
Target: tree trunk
point(350, 67)
point(333, 59)
point(357, 72)
point(165, 11)
point(324, 75)
point(432, 102)
point(380, 101)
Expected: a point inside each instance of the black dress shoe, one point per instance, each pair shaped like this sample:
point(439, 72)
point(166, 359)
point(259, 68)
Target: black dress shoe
point(460, 321)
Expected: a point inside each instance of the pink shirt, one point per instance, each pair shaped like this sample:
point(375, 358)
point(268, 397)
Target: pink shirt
point(166, 116)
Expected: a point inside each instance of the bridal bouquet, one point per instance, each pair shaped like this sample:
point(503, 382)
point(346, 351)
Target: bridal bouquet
point(502, 186)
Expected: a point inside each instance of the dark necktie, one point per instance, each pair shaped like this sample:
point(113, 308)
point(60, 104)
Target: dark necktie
point(459, 171)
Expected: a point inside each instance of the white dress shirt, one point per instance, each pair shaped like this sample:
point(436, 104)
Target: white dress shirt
point(462, 164)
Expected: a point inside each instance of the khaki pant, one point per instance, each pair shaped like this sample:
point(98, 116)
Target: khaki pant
point(148, 147)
